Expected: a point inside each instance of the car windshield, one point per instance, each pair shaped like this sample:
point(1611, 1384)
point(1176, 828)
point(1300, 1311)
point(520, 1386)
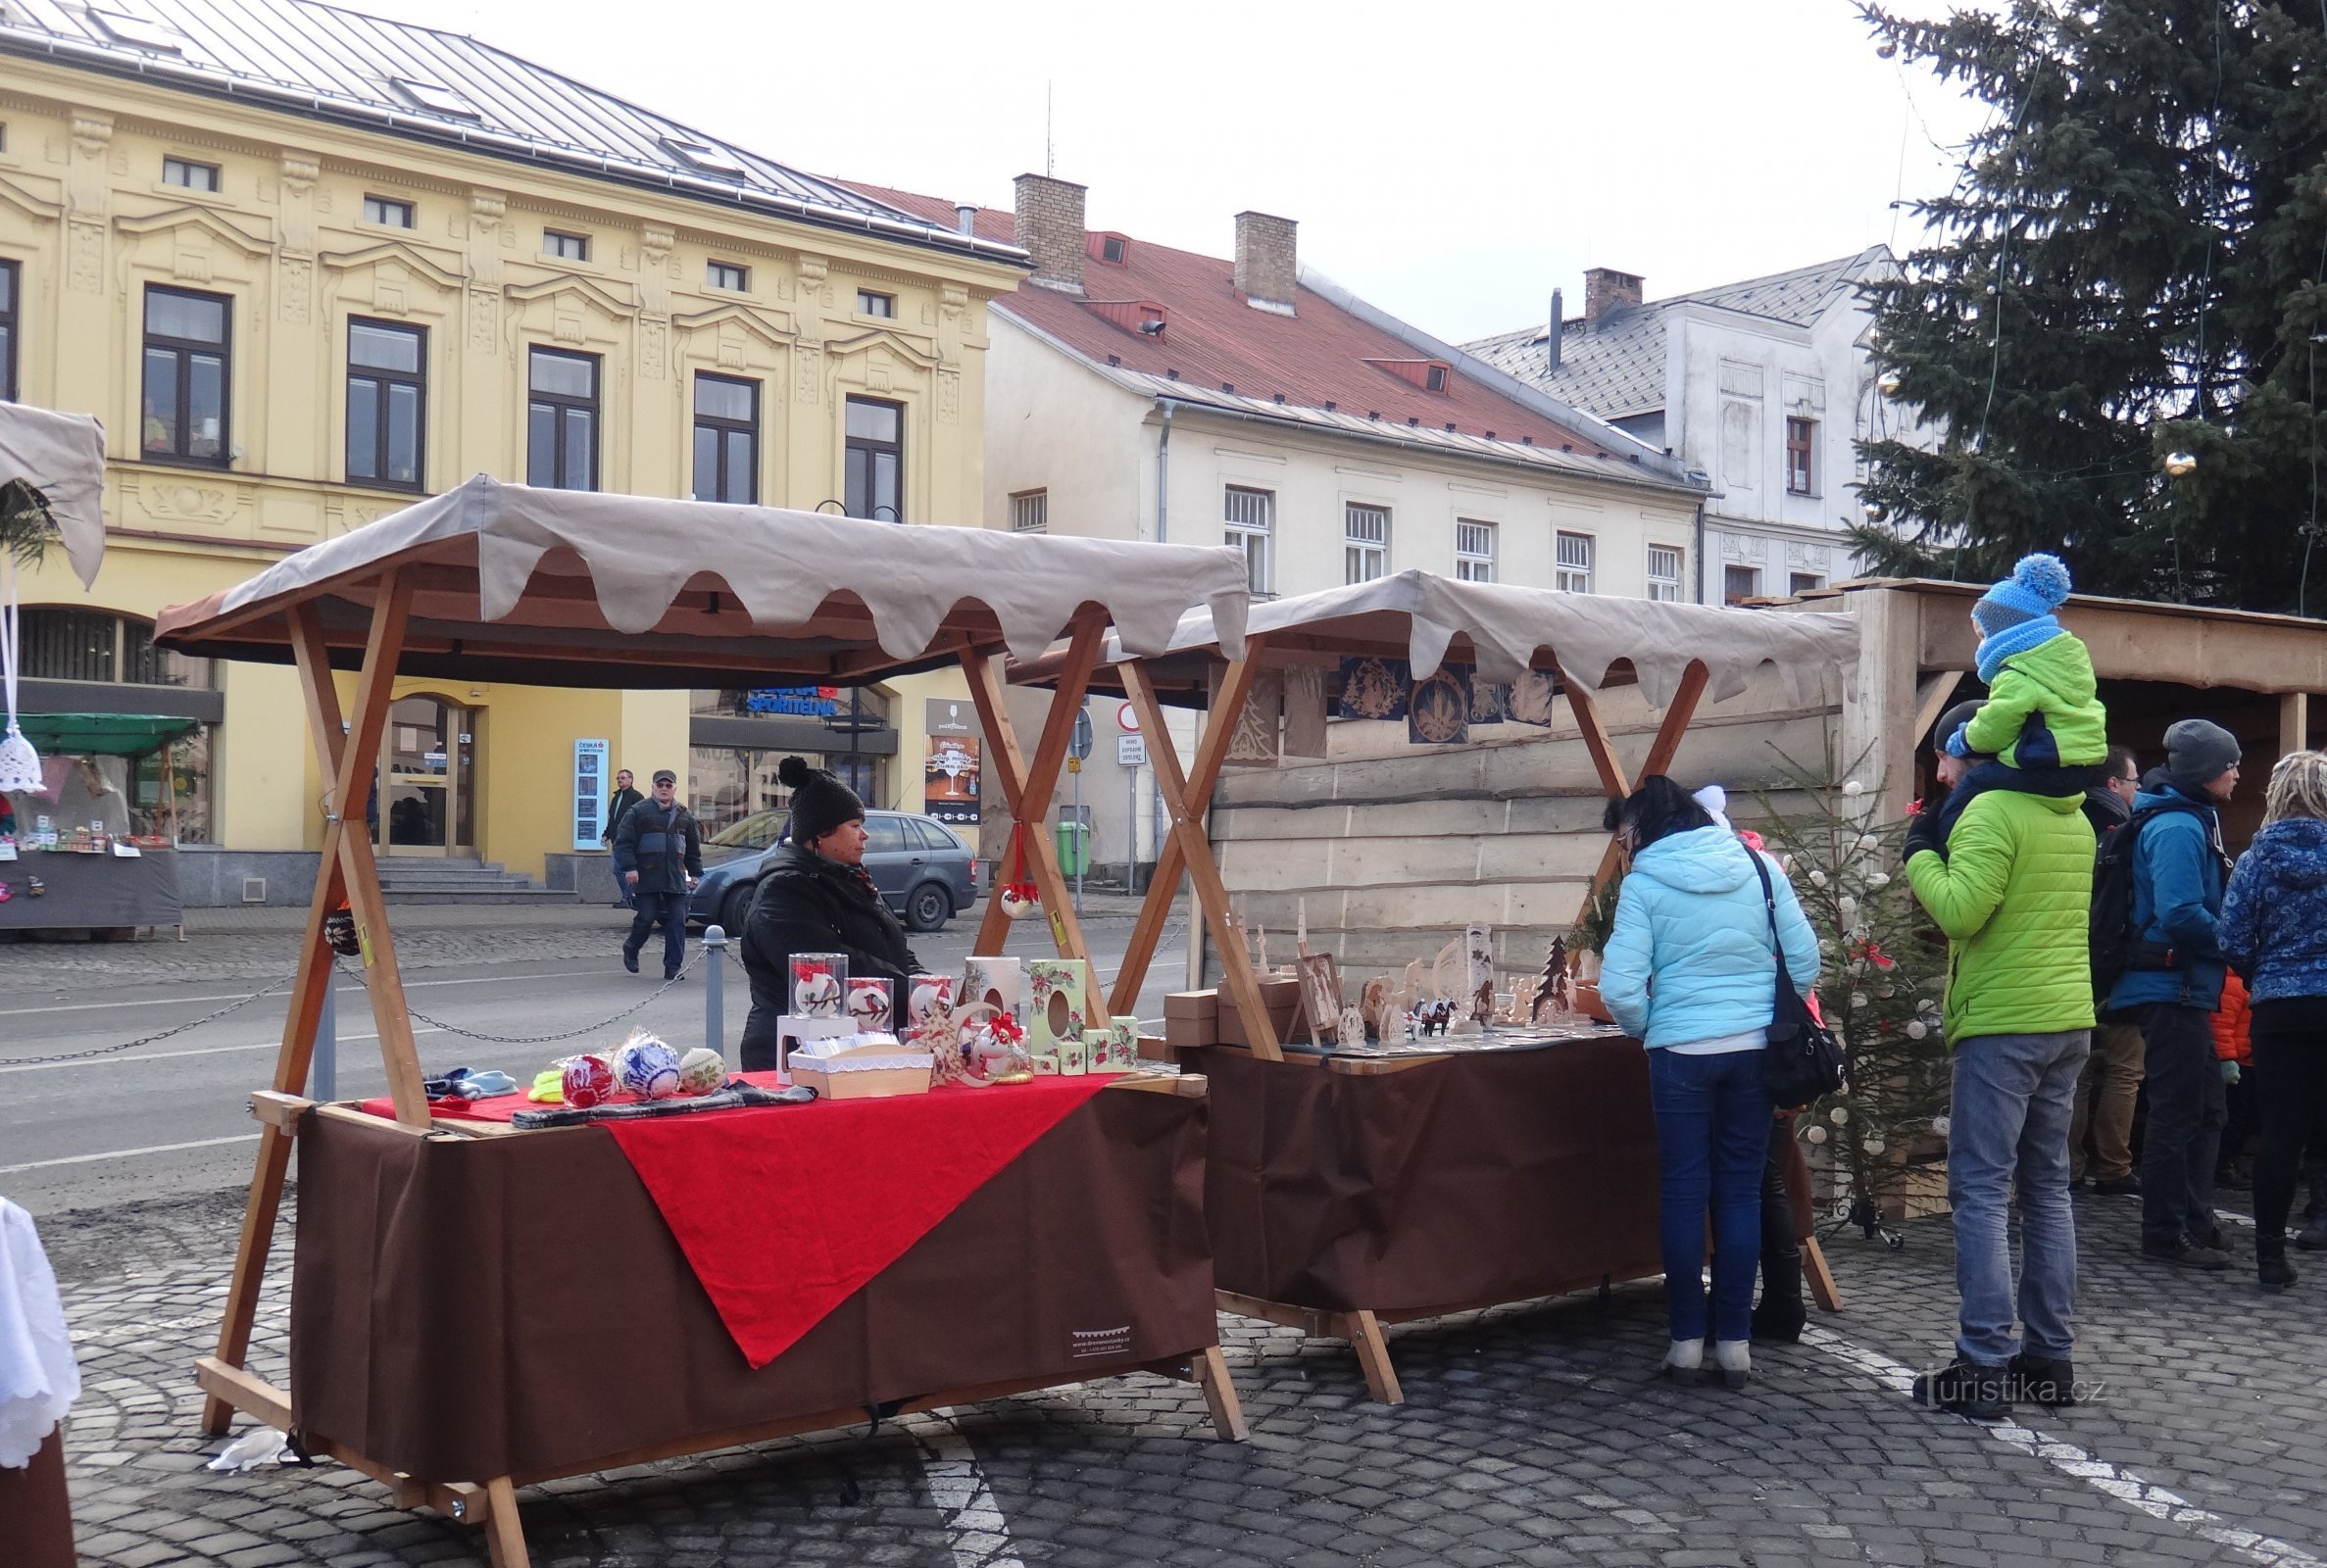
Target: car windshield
point(754, 832)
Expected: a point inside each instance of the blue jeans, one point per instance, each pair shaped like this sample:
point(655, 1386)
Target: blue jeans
point(2015, 1095)
point(622, 886)
point(671, 909)
point(1712, 1140)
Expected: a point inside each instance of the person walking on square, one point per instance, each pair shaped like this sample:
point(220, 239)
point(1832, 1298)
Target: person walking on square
point(1691, 971)
point(2273, 928)
point(2110, 1084)
point(625, 794)
point(2013, 891)
point(660, 855)
point(2173, 975)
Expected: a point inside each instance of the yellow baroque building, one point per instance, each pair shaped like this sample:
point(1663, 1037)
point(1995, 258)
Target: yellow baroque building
point(308, 266)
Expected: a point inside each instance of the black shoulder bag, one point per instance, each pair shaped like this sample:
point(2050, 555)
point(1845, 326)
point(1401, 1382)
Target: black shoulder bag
point(1802, 1061)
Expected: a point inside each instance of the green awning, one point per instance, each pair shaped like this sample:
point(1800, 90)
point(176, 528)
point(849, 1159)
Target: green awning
point(103, 734)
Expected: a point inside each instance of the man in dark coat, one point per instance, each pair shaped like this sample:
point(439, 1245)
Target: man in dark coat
point(625, 794)
point(814, 896)
point(659, 854)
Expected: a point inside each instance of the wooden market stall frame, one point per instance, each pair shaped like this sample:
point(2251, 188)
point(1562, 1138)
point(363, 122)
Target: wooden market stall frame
point(1186, 795)
point(837, 641)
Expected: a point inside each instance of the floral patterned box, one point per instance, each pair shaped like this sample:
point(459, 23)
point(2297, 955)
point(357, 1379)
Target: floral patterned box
point(1098, 1048)
point(1075, 1059)
point(1056, 1001)
point(1122, 1044)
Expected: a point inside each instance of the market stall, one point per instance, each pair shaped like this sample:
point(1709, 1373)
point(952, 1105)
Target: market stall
point(60, 873)
point(426, 1216)
point(1349, 1186)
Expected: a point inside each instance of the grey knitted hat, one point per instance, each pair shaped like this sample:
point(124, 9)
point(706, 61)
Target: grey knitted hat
point(2198, 752)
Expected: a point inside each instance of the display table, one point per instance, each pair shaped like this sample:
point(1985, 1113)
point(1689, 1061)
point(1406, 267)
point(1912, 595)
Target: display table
point(91, 892)
point(36, 1512)
point(1346, 1191)
point(583, 1340)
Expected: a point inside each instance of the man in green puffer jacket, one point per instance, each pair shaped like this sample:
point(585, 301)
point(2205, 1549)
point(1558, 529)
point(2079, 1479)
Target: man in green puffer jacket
point(2013, 892)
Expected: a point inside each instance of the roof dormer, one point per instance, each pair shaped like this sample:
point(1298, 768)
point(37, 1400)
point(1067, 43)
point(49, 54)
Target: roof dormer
point(1140, 317)
point(1431, 375)
point(1104, 245)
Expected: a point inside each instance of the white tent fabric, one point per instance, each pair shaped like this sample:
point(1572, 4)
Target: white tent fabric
point(639, 552)
point(1507, 628)
point(62, 456)
point(38, 1380)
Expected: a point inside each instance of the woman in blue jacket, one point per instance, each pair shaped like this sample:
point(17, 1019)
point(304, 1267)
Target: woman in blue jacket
point(1690, 972)
point(2273, 928)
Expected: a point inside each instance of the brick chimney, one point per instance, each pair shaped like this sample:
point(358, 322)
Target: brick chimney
point(1267, 265)
point(1050, 229)
point(1605, 289)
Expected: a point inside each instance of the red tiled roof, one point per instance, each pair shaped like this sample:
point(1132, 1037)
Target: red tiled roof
point(1213, 339)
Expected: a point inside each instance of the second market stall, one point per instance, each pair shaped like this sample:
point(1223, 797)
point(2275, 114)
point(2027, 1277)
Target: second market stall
point(588, 1280)
point(1351, 1185)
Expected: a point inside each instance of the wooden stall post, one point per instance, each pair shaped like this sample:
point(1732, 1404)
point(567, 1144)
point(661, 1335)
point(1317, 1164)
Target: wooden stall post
point(2294, 722)
point(1211, 752)
point(1187, 830)
point(1027, 786)
point(345, 758)
point(1662, 750)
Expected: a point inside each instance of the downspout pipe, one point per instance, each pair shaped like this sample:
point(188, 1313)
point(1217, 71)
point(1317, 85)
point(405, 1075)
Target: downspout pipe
point(1165, 407)
point(1701, 560)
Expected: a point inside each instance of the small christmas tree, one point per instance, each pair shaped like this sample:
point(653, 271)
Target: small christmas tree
point(1881, 982)
point(1553, 992)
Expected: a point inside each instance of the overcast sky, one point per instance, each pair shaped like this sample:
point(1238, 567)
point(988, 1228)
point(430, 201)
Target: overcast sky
point(1452, 161)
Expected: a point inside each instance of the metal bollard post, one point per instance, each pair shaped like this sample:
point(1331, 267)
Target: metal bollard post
point(715, 1000)
point(325, 1072)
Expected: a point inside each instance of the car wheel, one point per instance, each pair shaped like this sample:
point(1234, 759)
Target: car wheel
point(735, 909)
point(929, 907)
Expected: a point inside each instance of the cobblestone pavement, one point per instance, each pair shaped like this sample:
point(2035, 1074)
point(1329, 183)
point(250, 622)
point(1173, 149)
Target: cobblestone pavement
point(1533, 1435)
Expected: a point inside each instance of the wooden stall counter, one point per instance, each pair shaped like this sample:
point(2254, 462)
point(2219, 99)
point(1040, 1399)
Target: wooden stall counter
point(91, 892)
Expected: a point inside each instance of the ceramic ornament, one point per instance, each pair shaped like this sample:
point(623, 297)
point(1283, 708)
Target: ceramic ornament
point(588, 1081)
point(647, 1067)
point(869, 1004)
point(819, 984)
point(928, 993)
point(702, 1071)
point(1019, 901)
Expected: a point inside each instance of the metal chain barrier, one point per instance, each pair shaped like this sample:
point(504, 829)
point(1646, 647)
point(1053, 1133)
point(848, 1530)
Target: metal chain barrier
point(143, 1040)
point(568, 1034)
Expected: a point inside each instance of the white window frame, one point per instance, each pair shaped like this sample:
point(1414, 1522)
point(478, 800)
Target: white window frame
point(732, 277)
point(564, 245)
point(1474, 550)
point(188, 174)
point(1031, 510)
point(1572, 557)
point(1364, 541)
point(1755, 571)
point(1666, 586)
point(1248, 513)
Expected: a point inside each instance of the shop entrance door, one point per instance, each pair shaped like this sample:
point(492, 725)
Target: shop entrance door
point(427, 772)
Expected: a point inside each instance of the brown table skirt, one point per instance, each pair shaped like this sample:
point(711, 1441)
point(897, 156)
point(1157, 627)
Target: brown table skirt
point(463, 1310)
point(1481, 1177)
point(36, 1512)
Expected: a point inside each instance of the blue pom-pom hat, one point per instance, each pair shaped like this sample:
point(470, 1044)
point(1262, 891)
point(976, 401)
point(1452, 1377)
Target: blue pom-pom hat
point(2016, 615)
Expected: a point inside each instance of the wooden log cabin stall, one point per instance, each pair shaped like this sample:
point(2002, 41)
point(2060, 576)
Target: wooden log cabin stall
point(578, 1276)
point(1351, 1185)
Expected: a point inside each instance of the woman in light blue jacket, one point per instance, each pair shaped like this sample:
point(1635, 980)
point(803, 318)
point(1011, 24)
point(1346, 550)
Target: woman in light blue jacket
point(1689, 971)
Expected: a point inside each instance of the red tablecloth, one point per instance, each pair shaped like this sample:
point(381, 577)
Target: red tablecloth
point(784, 1212)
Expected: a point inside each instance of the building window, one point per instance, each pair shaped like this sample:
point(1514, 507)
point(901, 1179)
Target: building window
point(1365, 542)
point(191, 174)
point(1113, 248)
point(726, 440)
point(1802, 582)
point(9, 279)
point(1740, 582)
point(387, 382)
point(1030, 512)
point(1665, 573)
point(1802, 437)
point(388, 210)
point(1434, 379)
point(1574, 564)
point(565, 247)
point(876, 459)
point(185, 377)
point(1251, 516)
point(871, 304)
point(1474, 551)
point(561, 420)
point(727, 275)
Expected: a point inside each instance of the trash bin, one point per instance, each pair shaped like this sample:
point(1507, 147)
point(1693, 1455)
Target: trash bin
point(1074, 847)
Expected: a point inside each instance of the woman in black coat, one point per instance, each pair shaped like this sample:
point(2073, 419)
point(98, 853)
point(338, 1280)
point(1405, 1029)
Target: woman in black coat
point(817, 897)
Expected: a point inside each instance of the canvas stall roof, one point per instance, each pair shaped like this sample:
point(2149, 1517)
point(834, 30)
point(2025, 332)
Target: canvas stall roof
point(62, 457)
point(104, 734)
point(1503, 630)
point(572, 588)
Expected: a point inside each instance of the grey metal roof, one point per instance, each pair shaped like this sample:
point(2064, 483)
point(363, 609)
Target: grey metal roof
point(324, 62)
point(1615, 367)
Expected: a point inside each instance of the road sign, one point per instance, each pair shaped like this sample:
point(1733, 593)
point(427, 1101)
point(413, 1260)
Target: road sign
point(1080, 747)
point(1127, 718)
point(1131, 750)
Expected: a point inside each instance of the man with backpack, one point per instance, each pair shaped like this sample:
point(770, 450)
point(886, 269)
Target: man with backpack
point(2010, 882)
point(659, 854)
point(2112, 1080)
point(2156, 943)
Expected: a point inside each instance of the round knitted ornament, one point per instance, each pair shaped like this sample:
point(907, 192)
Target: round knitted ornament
point(588, 1081)
point(702, 1071)
point(647, 1067)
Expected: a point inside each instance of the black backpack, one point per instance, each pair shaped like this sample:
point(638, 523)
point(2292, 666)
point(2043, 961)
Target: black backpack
point(2116, 946)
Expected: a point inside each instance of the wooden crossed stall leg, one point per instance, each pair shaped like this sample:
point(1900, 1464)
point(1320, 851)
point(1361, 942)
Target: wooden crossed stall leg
point(1026, 787)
